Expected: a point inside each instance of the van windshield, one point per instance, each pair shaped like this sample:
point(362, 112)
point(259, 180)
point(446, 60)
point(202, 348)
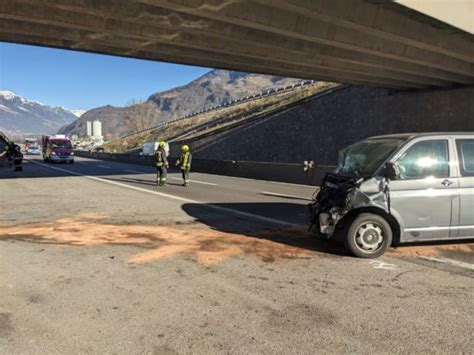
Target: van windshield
point(61, 144)
point(365, 157)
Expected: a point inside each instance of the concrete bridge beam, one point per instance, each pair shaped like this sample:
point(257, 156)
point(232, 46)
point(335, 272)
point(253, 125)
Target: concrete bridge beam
point(300, 26)
point(371, 42)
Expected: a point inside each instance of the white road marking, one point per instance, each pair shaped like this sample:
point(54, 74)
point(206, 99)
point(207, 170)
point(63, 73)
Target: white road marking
point(134, 171)
point(287, 183)
point(449, 261)
point(195, 181)
point(103, 166)
point(268, 181)
point(283, 195)
point(377, 264)
point(177, 198)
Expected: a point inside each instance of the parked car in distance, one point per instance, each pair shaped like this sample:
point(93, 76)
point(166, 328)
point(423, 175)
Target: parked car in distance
point(33, 150)
point(398, 189)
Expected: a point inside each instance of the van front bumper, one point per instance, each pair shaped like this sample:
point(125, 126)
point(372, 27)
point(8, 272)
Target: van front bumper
point(61, 158)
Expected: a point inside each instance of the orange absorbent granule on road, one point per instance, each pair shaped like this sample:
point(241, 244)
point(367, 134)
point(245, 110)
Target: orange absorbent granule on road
point(209, 247)
point(432, 250)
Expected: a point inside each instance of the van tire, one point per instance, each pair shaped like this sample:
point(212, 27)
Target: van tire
point(368, 236)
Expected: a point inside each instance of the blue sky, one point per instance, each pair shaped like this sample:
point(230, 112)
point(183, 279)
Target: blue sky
point(84, 80)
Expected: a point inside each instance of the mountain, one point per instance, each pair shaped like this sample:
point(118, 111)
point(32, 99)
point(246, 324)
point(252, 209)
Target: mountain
point(22, 116)
point(213, 88)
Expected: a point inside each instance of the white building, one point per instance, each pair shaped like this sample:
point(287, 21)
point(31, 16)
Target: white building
point(89, 128)
point(97, 129)
point(97, 133)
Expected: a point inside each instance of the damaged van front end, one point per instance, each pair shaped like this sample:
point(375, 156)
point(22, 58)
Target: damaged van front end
point(355, 199)
point(340, 195)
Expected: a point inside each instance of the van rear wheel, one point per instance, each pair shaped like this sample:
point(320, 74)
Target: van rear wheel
point(368, 236)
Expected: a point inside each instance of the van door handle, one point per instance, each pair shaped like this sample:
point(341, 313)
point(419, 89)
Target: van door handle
point(446, 183)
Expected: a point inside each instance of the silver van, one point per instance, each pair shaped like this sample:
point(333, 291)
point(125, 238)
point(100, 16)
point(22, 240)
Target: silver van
point(397, 189)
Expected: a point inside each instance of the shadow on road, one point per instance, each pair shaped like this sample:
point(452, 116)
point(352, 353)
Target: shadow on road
point(297, 236)
point(460, 250)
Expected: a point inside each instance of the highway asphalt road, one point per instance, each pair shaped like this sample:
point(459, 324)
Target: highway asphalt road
point(96, 259)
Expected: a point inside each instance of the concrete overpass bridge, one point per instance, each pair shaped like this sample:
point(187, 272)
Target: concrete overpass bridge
point(363, 42)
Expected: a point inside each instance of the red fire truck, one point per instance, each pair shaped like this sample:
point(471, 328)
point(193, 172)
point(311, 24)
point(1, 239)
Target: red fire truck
point(57, 148)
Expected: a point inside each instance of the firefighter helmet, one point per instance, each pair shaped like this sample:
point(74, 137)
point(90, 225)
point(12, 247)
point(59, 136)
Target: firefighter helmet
point(185, 148)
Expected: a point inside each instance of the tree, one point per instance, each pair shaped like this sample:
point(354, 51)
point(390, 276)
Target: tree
point(140, 115)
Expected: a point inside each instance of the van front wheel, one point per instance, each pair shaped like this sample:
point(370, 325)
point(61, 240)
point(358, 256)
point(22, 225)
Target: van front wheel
point(368, 236)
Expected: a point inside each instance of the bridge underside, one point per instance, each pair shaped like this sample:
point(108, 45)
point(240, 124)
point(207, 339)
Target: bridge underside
point(369, 42)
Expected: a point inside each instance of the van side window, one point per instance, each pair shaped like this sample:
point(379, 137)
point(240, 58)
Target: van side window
point(466, 156)
point(424, 159)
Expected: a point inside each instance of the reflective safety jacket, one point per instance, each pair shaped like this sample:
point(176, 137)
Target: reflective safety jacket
point(160, 158)
point(9, 151)
point(185, 161)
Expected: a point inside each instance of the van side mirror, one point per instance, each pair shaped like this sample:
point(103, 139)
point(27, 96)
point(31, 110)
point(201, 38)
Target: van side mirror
point(391, 171)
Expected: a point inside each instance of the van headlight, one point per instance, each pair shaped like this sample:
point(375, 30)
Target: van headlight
point(72, 153)
point(53, 153)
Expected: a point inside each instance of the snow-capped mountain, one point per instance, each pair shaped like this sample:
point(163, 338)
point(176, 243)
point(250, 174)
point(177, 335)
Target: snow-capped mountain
point(19, 115)
point(78, 112)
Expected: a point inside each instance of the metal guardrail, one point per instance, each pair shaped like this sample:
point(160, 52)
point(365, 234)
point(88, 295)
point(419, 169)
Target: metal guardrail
point(265, 93)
